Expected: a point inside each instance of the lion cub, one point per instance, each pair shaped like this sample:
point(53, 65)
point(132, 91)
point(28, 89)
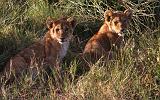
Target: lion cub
point(109, 34)
point(49, 51)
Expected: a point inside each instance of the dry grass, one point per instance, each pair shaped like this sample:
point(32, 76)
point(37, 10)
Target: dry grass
point(133, 75)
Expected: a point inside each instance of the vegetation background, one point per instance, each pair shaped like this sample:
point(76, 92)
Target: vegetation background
point(133, 75)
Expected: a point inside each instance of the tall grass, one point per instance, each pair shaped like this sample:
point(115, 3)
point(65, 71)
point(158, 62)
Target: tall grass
point(133, 75)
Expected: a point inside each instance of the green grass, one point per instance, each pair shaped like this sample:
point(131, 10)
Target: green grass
point(133, 75)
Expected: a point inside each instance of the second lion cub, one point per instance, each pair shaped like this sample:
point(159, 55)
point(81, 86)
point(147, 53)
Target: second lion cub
point(109, 33)
point(49, 51)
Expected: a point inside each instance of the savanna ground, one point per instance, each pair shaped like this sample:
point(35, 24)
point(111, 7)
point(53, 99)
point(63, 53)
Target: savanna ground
point(134, 74)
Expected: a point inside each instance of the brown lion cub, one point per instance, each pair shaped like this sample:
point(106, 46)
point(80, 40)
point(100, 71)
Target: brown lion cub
point(109, 33)
point(49, 51)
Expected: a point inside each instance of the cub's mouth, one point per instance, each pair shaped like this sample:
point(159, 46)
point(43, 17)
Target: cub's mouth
point(122, 32)
point(62, 39)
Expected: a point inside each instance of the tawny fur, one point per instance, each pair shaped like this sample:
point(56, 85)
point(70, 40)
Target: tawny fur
point(47, 52)
point(109, 34)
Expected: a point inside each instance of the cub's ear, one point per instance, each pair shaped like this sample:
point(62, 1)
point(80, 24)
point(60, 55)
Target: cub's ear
point(72, 21)
point(108, 14)
point(49, 22)
point(128, 13)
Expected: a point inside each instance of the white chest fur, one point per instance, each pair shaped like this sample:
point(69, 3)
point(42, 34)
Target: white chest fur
point(63, 50)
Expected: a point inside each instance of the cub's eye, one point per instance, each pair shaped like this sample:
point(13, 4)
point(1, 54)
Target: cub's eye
point(57, 29)
point(116, 22)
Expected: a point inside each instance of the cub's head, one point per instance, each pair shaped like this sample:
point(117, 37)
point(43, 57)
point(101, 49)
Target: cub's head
point(61, 29)
point(117, 21)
